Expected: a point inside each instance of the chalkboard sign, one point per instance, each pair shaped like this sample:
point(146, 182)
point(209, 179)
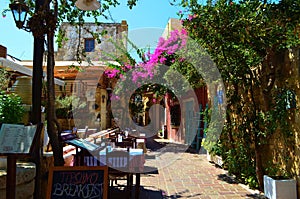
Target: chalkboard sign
point(79, 182)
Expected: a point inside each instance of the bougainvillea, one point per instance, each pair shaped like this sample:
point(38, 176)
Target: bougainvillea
point(163, 54)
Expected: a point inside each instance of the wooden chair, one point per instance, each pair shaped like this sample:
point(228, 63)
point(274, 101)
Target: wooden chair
point(118, 163)
point(88, 158)
point(126, 143)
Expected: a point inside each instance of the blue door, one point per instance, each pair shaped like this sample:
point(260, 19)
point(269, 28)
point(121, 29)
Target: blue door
point(189, 124)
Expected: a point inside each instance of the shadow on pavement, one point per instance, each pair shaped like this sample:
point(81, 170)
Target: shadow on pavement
point(228, 179)
point(116, 193)
point(155, 144)
point(256, 196)
point(148, 193)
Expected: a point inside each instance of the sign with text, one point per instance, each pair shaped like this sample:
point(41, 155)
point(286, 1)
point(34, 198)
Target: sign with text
point(16, 138)
point(80, 182)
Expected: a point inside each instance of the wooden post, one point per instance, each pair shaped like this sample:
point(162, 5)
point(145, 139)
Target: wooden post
point(137, 185)
point(103, 106)
point(11, 177)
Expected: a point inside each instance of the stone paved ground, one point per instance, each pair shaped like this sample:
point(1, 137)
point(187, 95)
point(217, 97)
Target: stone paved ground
point(188, 175)
point(192, 176)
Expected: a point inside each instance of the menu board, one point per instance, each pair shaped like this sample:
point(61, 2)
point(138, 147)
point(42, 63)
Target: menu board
point(16, 138)
point(79, 182)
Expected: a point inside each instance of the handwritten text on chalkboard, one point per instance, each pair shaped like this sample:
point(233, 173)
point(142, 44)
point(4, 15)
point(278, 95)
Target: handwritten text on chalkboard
point(81, 185)
point(84, 184)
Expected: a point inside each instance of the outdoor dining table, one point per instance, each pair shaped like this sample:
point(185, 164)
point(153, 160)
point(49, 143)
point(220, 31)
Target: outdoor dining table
point(136, 158)
point(136, 164)
point(88, 153)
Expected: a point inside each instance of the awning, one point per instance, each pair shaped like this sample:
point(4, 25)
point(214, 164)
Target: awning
point(91, 70)
point(23, 69)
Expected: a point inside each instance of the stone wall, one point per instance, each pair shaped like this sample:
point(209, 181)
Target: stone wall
point(24, 181)
point(115, 32)
point(292, 150)
point(282, 149)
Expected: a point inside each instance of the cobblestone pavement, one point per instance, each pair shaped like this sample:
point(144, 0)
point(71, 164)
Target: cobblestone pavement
point(188, 175)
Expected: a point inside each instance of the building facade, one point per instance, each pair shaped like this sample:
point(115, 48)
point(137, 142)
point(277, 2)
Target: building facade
point(80, 62)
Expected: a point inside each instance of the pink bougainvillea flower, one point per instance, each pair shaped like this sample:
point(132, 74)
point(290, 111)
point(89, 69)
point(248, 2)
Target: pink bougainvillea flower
point(161, 54)
point(112, 73)
point(190, 17)
point(128, 66)
point(114, 97)
point(162, 60)
point(181, 59)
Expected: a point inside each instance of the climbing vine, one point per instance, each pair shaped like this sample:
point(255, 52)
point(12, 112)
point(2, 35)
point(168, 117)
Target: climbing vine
point(248, 41)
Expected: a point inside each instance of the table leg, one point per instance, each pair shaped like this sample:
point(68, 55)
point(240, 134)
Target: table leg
point(137, 185)
point(11, 177)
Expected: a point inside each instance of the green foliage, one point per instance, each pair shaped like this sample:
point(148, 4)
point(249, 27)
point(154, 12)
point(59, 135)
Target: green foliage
point(245, 39)
point(11, 109)
point(213, 148)
point(68, 106)
point(180, 68)
point(4, 79)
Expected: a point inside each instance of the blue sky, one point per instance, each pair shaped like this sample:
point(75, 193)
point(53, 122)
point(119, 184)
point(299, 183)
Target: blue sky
point(151, 15)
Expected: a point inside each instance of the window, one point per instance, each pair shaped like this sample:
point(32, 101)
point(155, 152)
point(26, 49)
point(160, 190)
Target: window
point(89, 45)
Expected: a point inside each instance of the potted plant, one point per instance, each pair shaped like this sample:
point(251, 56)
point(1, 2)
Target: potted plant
point(276, 187)
point(213, 151)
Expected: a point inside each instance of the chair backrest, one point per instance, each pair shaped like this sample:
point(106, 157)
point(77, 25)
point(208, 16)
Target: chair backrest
point(118, 160)
point(126, 144)
point(92, 161)
point(89, 158)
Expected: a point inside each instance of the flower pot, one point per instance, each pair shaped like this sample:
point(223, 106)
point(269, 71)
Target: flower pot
point(277, 188)
point(218, 161)
point(23, 88)
point(209, 156)
point(215, 159)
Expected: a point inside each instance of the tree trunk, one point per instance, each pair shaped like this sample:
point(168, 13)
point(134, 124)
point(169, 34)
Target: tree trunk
point(51, 117)
point(37, 76)
point(259, 167)
point(259, 170)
